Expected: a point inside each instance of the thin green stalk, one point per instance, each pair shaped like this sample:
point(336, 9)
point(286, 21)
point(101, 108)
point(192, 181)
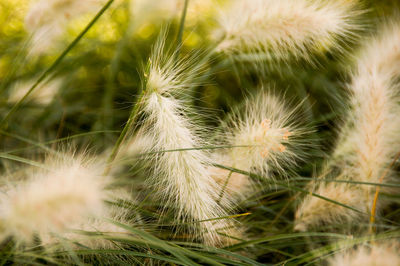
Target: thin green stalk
point(56, 63)
point(181, 28)
point(124, 133)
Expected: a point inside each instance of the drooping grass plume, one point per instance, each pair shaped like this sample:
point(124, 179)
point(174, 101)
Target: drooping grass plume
point(47, 20)
point(378, 253)
point(265, 135)
point(180, 178)
point(368, 142)
point(287, 27)
point(70, 191)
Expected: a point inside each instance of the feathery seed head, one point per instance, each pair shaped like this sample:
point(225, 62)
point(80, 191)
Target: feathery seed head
point(264, 134)
point(181, 177)
point(286, 27)
point(44, 94)
point(90, 232)
point(368, 142)
point(49, 201)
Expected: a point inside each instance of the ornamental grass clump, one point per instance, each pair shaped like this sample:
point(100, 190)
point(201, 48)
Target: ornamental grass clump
point(240, 132)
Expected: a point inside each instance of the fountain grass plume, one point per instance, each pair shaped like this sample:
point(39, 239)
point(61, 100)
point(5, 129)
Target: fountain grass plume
point(287, 28)
point(265, 135)
point(70, 190)
point(368, 142)
point(180, 178)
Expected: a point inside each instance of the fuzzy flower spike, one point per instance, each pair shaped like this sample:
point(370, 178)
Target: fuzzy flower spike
point(50, 201)
point(286, 27)
point(180, 177)
point(265, 136)
point(368, 142)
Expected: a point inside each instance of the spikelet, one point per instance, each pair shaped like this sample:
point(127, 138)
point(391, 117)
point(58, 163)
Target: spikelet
point(286, 27)
point(46, 20)
point(378, 253)
point(180, 177)
point(375, 99)
point(368, 142)
point(69, 191)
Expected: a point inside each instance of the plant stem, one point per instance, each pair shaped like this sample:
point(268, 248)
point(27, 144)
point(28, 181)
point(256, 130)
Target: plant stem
point(124, 133)
point(181, 28)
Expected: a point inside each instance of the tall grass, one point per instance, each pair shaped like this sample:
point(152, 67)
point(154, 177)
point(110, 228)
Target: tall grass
point(185, 132)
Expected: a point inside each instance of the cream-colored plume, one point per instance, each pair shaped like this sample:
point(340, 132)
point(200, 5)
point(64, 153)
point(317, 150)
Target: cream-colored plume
point(286, 27)
point(179, 176)
point(265, 136)
point(368, 143)
point(49, 201)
